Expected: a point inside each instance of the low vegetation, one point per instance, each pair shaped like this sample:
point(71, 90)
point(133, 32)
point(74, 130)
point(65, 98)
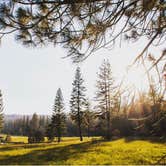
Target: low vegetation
point(90, 151)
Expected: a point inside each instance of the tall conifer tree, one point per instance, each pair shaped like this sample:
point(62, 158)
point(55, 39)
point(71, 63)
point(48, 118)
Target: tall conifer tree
point(58, 118)
point(77, 101)
point(104, 96)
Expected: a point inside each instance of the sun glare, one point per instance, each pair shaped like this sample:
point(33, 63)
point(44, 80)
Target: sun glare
point(136, 77)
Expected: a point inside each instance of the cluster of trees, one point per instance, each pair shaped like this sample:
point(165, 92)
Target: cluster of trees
point(36, 131)
point(144, 115)
point(116, 112)
point(32, 126)
point(81, 112)
point(21, 125)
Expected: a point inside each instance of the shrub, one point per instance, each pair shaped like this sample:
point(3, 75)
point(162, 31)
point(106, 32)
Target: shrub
point(36, 137)
point(8, 138)
point(2, 140)
point(116, 134)
point(39, 135)
point(31, 139)
point(50, 133)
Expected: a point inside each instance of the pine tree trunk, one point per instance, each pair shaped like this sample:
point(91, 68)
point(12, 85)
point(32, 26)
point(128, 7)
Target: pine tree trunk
point(59, 136)
point(59, 139)
point(88, 131)
point(107, 110)
point(79, 124)
point(79, 120)
point(80, 132)
point(108, 125)
point(59, 131)
point(108, 114)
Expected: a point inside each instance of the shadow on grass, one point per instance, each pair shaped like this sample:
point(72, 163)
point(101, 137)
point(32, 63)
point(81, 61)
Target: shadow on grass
point(55, 155)
point(8, 147)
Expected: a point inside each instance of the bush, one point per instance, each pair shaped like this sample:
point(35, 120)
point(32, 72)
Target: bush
point(50, 133)
point(31, 140)
point(39, 135)
point(36, 137)
point(115, 134)
point(8, 138)
point(124, 125)
point(2, 140)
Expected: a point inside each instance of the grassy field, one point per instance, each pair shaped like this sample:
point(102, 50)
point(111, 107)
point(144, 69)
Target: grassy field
point(90, 151)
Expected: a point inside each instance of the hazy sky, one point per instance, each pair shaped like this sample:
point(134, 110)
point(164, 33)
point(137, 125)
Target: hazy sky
point(29, 78)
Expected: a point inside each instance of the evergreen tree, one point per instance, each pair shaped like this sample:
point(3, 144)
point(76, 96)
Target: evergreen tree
point(58, 118)
point(1, 111)
point(77, 101)
point(105, 96)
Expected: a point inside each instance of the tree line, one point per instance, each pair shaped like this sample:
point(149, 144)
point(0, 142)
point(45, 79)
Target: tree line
point(116, 112)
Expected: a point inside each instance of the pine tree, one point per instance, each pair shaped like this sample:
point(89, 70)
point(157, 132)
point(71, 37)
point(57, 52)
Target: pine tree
point(58, 118)
point(1, 111)
point(104, 96)
point(77, 101)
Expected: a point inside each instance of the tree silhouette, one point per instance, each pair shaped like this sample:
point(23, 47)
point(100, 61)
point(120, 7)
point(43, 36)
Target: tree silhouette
point(77, 101)
point(57, 125)
point(105, 96)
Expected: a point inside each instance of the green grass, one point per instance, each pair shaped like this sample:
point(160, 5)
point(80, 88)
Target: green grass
point(72, 151)
point(19, 139)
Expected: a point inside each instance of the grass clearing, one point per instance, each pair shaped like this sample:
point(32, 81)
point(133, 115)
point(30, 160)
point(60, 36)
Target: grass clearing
point(72, 151)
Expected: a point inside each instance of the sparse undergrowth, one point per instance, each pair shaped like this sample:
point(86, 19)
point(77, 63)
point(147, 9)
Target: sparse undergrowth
point(90, 151)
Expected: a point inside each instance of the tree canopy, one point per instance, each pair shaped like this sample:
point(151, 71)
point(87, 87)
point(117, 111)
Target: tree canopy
point(84, 26)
